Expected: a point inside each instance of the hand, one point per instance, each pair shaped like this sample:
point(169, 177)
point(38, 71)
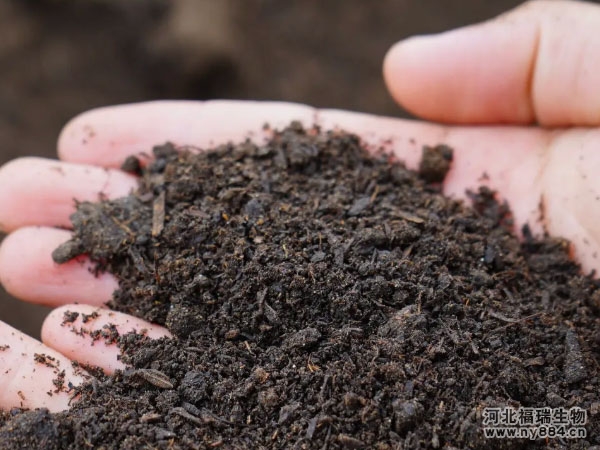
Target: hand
point(535, 64)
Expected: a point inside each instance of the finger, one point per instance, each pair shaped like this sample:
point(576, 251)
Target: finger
point(88, 335)
point(120, 131)
point(539, 62)
point(106, 136)
point(28, 272)
point(36, 191)
point(33, 375)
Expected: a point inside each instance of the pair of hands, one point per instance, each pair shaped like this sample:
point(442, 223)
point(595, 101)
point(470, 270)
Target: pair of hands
point(536, 64)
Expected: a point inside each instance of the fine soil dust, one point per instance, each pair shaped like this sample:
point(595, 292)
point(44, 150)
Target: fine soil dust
point(321, 297)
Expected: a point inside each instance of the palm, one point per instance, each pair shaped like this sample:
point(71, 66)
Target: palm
point(546, 176)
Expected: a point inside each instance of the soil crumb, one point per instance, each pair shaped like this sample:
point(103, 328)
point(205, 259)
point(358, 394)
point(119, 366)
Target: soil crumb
point(435, 163)
point(322, 297)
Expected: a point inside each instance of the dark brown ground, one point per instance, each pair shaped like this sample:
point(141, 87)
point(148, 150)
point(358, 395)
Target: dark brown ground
point(321, 298)
point(59, 58)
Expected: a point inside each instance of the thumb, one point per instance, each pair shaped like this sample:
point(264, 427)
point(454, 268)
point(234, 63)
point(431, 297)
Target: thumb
point(538, 63)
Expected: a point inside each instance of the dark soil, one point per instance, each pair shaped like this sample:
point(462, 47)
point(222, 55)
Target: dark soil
point(322, 298)
point(59, 58)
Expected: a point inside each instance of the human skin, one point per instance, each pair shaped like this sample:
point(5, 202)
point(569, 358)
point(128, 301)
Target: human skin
point(516, 97)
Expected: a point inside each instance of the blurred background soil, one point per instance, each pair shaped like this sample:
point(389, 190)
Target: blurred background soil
point(61, 57)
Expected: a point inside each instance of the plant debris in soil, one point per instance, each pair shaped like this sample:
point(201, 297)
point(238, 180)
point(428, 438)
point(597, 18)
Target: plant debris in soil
point(321, 296)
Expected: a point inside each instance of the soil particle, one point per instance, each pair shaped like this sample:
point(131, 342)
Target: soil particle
point(302, 339)
point(574, 361)
point(85, 318)
point(66, 252)
point(435, 163)
point(46, 360)
point(349, 442)
point(132, 164)
point(321, 297)
point(69, 317)
point(154, 377)
point(407, 414)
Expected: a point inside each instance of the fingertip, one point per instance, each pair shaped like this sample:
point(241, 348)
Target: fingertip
point(421, 72)
point(65, 331)
point(28, 272)
point(473, 74)
point(95, 136)
point(77, 133)
point(396, 69)
point(50, 330)
point(389, 62)
point(38, 191)
point(9, 190)
point(5, 276)
point(410, 74)
point(33, 375)
point(11, 252)
point(89, 335)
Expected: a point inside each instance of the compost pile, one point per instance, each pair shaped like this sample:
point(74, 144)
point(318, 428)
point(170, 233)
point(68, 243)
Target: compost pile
point(322, 297)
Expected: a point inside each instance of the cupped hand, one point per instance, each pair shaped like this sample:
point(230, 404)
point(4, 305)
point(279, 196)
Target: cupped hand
point(487, 83)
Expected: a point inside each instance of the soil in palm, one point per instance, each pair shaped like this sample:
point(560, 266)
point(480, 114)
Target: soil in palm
point(321, 296)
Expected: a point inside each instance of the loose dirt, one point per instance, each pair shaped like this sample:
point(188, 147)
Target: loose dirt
point(321, 297)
